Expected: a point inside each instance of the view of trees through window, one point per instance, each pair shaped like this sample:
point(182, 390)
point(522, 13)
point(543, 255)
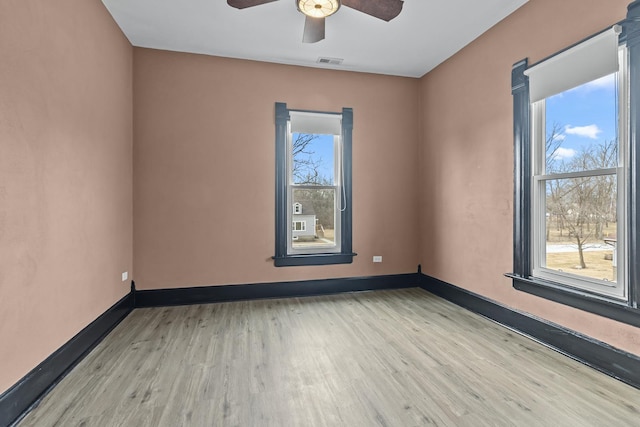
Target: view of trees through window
point(315, 188)
point(581, 157)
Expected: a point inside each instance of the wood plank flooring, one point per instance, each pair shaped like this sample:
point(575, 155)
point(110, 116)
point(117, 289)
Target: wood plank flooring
point(385, 358)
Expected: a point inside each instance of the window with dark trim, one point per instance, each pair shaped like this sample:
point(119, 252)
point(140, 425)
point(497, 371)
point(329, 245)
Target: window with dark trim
point(313, 187)
point(559, 203)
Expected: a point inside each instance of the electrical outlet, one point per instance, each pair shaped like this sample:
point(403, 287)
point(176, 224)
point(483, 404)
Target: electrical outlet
point(125, 276)
point(377, 258)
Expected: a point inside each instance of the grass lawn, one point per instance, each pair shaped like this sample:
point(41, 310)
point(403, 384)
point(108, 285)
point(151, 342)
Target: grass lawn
point(597, 266)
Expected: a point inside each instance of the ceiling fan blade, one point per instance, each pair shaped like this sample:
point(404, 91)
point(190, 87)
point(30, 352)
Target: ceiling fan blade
point(242, 4)
point(313, 30)
point(382, 9)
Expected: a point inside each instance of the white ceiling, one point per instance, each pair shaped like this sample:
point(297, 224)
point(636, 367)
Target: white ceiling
point(425, 34)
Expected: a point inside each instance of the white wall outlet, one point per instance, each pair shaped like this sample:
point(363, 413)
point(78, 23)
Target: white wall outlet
point(377, 258)
point(125, 276)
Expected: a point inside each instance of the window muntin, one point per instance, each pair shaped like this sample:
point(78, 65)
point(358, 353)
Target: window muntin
point(579, 186)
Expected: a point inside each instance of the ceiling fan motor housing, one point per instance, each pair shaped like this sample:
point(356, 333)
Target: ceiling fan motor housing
point(318, 8)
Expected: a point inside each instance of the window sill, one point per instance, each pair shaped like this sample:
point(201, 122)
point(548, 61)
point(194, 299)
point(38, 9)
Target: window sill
point(612, 309)
point(313, 259)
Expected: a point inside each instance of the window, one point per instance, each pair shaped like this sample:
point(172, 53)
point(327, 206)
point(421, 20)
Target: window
point(315, 167)
point(313, 187)
point(575, 116)
point(579, 187)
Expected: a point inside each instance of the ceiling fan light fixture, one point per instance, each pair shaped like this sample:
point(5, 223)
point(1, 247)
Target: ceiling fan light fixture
point(318, 8)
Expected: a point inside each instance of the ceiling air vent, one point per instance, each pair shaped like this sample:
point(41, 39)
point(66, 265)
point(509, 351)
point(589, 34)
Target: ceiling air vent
point(331, 61)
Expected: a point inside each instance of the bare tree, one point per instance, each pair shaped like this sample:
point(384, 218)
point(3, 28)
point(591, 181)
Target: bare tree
point(306, 165)
point(585, 204)
point(575, 204)
point(552, 144)
point(552, 164)
point(603, 156)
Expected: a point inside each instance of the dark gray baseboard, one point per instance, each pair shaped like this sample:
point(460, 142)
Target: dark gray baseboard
point(210, 294)
point(596, 354)
point(26, 393)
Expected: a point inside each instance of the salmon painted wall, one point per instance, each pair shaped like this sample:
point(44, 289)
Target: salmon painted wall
point(466, 152)
point(204, 161)
point(65, 174)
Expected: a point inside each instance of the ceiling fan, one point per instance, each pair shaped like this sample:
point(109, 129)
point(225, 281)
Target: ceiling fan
point(316, 11)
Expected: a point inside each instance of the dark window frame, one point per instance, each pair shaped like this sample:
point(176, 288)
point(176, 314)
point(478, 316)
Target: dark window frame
point(626, 312)
point(282, 258)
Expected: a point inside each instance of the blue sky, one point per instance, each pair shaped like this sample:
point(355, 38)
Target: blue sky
point(323, 149)
point(586, 115)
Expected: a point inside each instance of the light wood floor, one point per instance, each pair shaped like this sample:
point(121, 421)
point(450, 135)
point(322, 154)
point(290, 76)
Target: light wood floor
point(386, 358)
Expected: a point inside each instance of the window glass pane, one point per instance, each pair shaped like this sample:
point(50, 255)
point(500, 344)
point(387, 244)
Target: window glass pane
point(313, 159)
point(315, 226)
point(581, 126)
point(581, 226)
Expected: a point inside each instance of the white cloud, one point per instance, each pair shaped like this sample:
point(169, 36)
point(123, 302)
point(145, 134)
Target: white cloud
point(564, 153)
point(590, 131)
